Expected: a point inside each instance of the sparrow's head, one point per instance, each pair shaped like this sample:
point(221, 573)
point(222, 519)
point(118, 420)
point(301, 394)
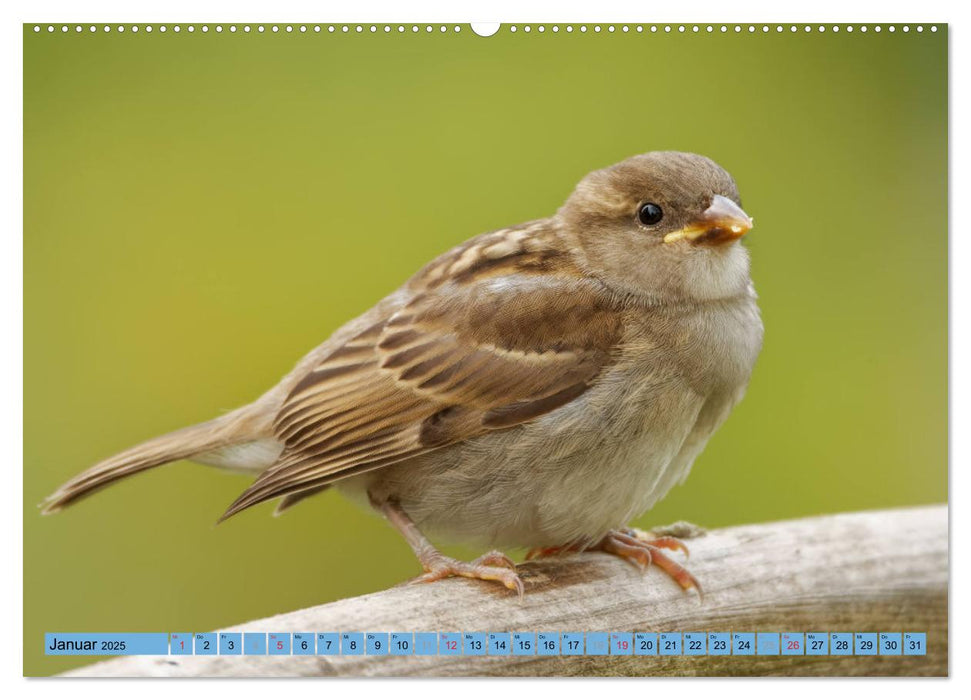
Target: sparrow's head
point(665, 223)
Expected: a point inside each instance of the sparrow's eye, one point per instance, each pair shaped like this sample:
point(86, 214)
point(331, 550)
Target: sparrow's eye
point(650, 214)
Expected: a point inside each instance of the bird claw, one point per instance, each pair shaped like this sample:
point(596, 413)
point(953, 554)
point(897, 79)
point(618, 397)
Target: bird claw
point(626, 547)
point(495, 558)
point(492, 566)
point(662, 541)
point(637, 548)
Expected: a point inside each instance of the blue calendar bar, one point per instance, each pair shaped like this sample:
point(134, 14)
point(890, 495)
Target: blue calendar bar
point(645, 644)
point(524, 644)
point(841, 644)
point(401, 643)
point(304, 644)
point(669, 643)
point(572, 644)
point(621, 643)
point(499, 644)
point(915, 643)
point(597, 644)
point(352, 644)
point(279, 643)
point(475, 643)
point(793, 644)
point(767, 643)
point(254, 643)
point(450, 644)
point(719, 643)
point(426, 643)
point(891, 643)
point(328, 644)
point(743, 643)
point(866, 643)
point(71, 644)
point(377, 643)
point(206, 644)
point(694, 644)
point(817, 644)
point(548, 643)
point(230, 643)
point(181, 644)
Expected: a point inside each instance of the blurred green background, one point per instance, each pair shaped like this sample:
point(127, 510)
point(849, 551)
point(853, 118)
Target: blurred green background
point(202, 209)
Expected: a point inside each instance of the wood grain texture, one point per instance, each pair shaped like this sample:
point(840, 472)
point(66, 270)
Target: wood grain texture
point(874, 571)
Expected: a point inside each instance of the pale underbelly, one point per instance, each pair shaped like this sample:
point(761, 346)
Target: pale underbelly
point(516, 489)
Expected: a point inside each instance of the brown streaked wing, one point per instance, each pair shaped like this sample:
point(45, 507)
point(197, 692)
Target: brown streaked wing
point(451, 365)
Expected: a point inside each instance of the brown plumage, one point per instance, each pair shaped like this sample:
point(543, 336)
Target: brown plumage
point(597, 343)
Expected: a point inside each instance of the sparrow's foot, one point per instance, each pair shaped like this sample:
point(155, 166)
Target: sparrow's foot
point(644, 551)
point(493, 566)
point(652, 537)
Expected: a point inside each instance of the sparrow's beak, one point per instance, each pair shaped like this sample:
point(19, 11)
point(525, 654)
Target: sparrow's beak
point(722, 222)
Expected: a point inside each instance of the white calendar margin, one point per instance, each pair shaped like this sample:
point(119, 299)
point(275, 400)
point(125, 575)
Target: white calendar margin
point(817, 11)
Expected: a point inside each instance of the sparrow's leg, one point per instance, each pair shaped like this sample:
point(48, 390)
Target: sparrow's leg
point(640, 548)
point(493, 566)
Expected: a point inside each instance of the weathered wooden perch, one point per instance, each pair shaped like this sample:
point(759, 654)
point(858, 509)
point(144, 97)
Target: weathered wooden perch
point(882, 571)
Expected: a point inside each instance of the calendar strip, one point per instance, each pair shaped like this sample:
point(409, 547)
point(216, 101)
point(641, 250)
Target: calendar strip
point(502, 644)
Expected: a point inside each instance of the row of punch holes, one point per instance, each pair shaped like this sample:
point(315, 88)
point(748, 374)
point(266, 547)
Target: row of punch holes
point(481, 29)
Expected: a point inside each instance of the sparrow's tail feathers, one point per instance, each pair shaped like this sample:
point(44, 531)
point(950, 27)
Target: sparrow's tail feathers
point(241, 425)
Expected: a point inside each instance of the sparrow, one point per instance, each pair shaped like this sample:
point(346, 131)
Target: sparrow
point(537, 386)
